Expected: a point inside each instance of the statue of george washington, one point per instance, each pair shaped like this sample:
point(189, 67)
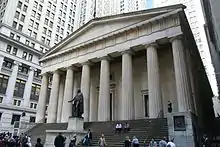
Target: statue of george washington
point(77, 106)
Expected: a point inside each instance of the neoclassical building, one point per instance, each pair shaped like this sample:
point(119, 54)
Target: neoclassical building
point(128, 66)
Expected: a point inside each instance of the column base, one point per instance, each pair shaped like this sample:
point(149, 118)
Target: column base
point(75, 124)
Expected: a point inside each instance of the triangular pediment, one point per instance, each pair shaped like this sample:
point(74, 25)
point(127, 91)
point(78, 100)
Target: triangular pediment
point(104, 26)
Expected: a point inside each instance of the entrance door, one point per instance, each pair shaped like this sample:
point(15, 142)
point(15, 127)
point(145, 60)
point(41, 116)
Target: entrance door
point(146, 105)
point(111, 106)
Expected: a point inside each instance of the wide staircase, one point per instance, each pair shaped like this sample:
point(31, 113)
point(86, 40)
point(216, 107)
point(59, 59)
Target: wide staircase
point(39, 131)
point(143, 129)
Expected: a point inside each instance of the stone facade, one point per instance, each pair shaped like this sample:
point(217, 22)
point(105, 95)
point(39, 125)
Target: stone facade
point(127, 66)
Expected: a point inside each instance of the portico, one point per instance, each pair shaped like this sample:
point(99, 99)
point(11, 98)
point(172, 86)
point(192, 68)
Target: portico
point(116, 61)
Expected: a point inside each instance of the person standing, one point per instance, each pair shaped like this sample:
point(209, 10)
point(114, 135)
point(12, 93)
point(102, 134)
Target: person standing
point(39, 144)
point(171, 143)
point(135, 142)
point(163, 142)
point(102, 142)
point(73, 141)
point(152, 143)
point(127, 142)
point(89, 137)
point(59, 141)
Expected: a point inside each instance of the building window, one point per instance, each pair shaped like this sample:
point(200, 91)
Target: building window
point(38, 16)
point(24, 55)
point(17, 102)
point(49, 33)
point(44, 30)
point(51, 24)
point(29, 32)
point(23, 69)
point(35, 4)
point(20, 27)
point(12, 35)
point(18, 38)
point(48, 13)
point(7, 63)
point(17, 14)
point(48, 42)
point(3, 84)
point(19, 88)
point(34, 35)
point(56, 37)
point(27, 42)
point(46, 21)
point(31, 23)
point(33, 13)
point(40, 7)
point(25, 8)
point(15, 118)
point(22, 17)
point(1, 100)
point(14, 25)
point(43, 39)
point(30, 57)
point(32, 44)
point(19, 4)
point(8, 49)
point(37, 73)
point(35, 92)
point(52, 15)
point(32, 119)
point(15, 50)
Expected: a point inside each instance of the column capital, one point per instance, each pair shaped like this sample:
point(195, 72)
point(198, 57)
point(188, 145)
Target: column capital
point(107, 57)
point(16, 63)
point(33, 69)
point(86, 63)
point(179, 37)
point(58, 71)
point(153, 44)
point(71, 67)
point(128, 51)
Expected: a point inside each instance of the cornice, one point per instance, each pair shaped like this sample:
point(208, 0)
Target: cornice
point(112, 34)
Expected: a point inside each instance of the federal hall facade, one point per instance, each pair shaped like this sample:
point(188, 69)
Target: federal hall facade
point(128, 66)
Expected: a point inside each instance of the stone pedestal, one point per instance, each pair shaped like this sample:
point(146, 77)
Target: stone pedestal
point(75, 124)
point(183, 128)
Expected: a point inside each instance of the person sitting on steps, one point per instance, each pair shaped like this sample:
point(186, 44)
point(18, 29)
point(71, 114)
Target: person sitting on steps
point(118, 128)
point(126, 127)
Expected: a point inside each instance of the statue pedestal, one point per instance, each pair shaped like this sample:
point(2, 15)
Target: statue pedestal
point(75, 124)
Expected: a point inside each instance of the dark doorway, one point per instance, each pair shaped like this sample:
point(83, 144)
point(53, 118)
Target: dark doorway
point(111, 105)
point(146, 105)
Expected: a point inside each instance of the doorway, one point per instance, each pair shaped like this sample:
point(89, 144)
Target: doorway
point(111, 106)
point(146, 105)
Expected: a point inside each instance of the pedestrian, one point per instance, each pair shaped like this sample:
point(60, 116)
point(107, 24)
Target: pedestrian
point(29, 141)
point(39, 144)
point(59, 140)
point(163, 142)
point(152, 143)
point(135, 142)
point(127, 142)
point(89, 137)
point(171, 143)
point(73, 141)
point(102, 142)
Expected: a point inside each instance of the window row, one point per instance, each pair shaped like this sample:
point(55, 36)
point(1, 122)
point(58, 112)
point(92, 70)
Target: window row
point(58, 38)
point(50, 14)
point(63, 6)
point(32, 33)
point(17, 102)
point(33, 105)
point(17, 117)
point(36, 15)
point(48, 23)
point(53, 7)
point(38, 6)
point(60, 30)
point(27, 56)
point(47, 32)
point(19, 16)
point(62, 14)
point(11, 50)
point(34, 25)
point(25, 7)
point(45, 41)
point(17, 26)
point(35, 92)
point(3, 84)
point(31, 44)
point(17, 37)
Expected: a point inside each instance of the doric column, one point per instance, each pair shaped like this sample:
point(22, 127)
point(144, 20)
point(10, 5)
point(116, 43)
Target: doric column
point(182, 83)
point(85, 88)
point(155, 101)
point(68, 95)
point(127, 87)
point(41, 108)
point(1, 61)
point(52, 108)
point(104, 91)
point(93, 107)
point(60, 101)
point(11, 84)
point(28, 87)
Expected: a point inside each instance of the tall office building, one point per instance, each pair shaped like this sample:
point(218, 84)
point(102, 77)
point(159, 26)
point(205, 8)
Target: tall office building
point(28, 28)
point(196, 20)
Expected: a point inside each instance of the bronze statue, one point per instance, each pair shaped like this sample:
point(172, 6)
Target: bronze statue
point(77, 106)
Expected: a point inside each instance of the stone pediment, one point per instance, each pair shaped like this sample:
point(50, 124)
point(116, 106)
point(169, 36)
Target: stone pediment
point(99, 28)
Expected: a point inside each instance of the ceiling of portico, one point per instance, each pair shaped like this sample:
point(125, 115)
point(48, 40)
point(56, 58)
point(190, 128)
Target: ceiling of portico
point(100, 28)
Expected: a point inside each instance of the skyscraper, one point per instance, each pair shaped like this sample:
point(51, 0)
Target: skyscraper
point(28, 29)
